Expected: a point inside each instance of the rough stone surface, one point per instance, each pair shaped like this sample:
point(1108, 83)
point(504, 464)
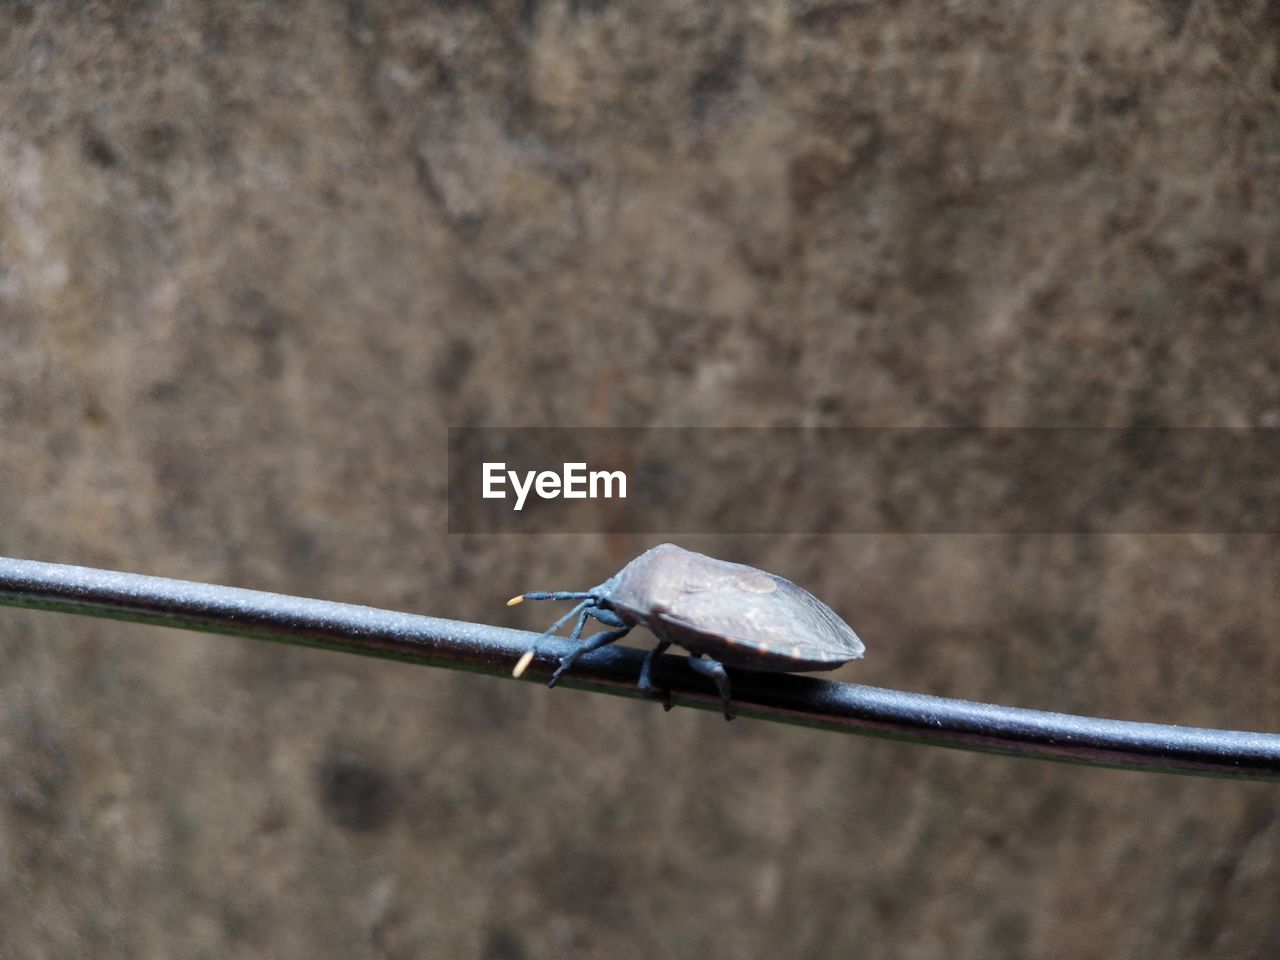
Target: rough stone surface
point(255, 258)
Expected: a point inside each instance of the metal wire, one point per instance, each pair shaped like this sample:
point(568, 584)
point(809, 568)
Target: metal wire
point(845, 707)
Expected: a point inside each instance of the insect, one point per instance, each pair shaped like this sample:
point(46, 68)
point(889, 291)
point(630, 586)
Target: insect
point(725, 614)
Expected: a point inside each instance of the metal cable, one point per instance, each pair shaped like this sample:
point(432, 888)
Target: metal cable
point(845, 707)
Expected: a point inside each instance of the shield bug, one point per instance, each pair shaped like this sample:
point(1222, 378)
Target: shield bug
point(725, 614)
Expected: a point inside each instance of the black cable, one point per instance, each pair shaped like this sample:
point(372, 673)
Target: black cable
point(846, 707)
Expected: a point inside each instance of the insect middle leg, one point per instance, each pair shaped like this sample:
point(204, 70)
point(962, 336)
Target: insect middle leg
point(716, 671)
point(646, 682)
point(591, 643)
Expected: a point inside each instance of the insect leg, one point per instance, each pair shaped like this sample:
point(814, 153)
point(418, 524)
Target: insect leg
point(577, 611)
point(716, 671)
point(607, 617)
point(646, 683)
point(592, 643)
point(567, 617)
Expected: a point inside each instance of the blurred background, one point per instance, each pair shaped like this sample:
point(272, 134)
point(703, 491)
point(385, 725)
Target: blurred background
point(256, 258)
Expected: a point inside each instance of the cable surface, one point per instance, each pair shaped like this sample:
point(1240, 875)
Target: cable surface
point(786, 698)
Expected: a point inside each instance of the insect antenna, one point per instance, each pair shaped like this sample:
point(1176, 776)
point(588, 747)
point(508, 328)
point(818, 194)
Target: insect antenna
point(554, 595)
point(529, 654)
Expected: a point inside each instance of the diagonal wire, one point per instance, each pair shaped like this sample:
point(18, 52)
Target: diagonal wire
point(459, 645)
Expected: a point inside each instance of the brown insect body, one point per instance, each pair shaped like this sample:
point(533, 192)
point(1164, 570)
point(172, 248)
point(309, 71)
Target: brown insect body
point(723, 613)
point(741, 616)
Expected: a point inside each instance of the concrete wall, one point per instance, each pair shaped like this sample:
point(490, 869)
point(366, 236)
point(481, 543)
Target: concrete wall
point(255, 258)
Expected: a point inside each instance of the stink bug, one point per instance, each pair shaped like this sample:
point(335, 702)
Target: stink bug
point(724, 614)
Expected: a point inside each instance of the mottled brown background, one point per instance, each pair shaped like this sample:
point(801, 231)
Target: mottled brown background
point(255, 258)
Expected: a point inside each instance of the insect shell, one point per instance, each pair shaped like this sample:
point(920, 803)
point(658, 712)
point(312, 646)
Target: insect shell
point(724, 614)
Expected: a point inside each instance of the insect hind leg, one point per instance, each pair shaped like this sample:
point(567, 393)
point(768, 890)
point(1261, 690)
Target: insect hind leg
point(716, 671)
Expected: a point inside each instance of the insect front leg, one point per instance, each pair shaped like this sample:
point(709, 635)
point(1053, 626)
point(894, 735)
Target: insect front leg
point(574, 636)
point(592, 643)
point(646, 683)
point(716, 671)
point(607, 617)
